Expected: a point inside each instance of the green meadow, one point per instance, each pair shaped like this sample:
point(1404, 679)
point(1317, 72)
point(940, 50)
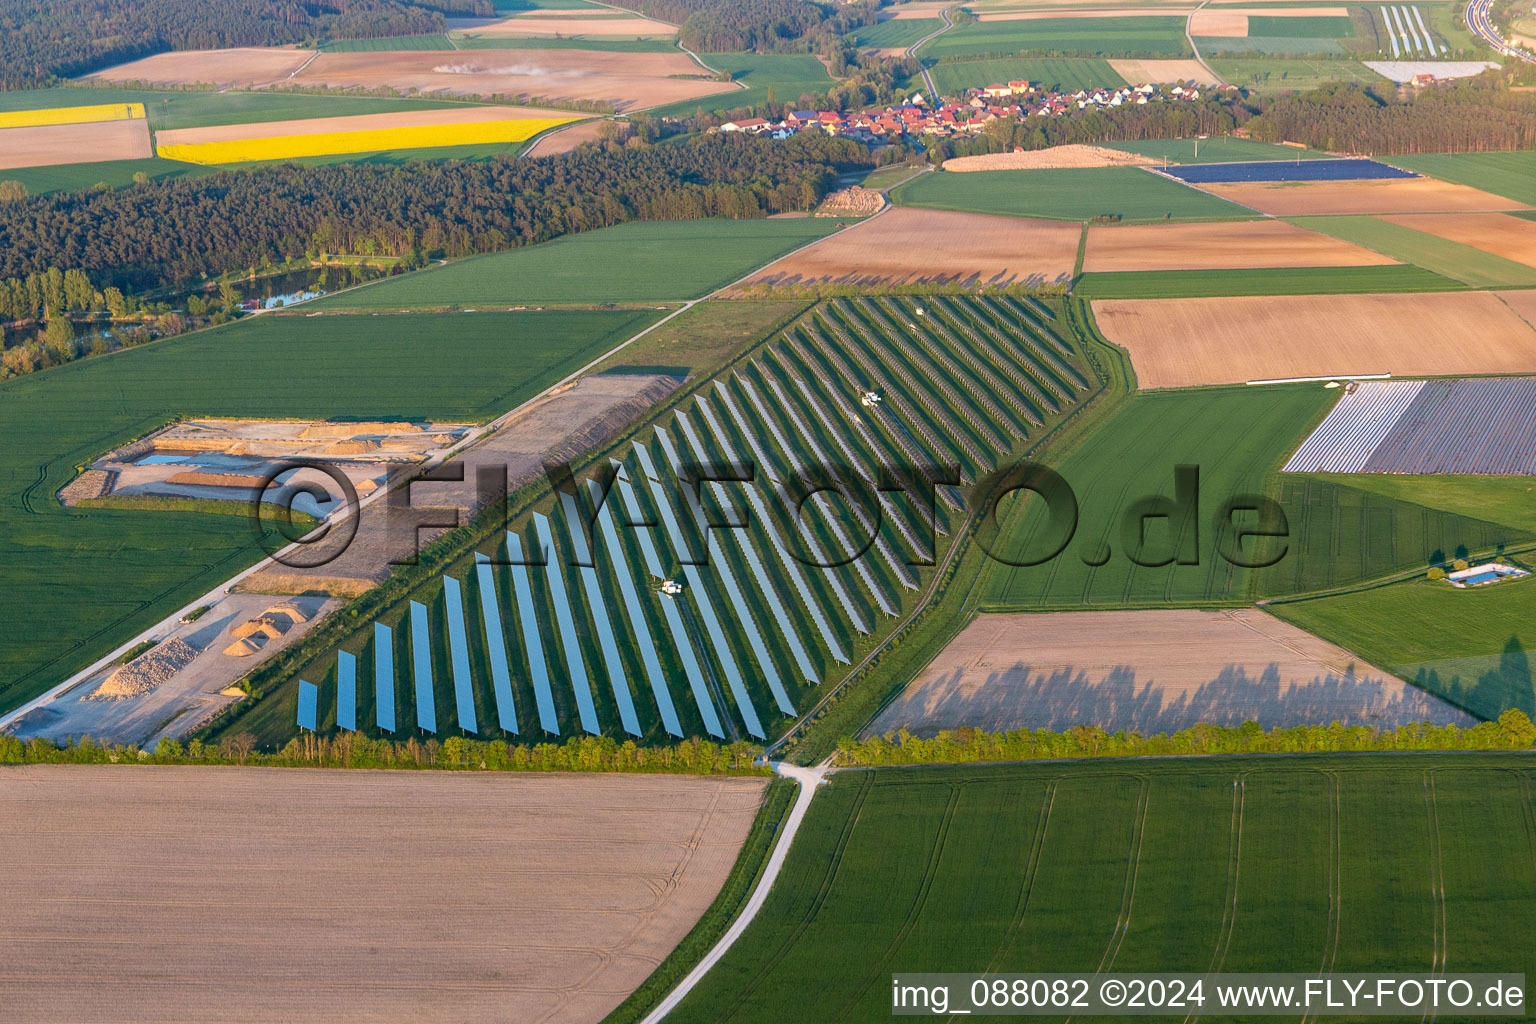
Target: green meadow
point(1124, 193)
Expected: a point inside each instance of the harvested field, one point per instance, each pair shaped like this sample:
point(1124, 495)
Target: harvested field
point(1150, 671)
point(1523, 303)
point(1164, 72)
point(44, 145)
point(1513, 238)
point(1395, 195)
point(1053, 157)
point(565, 139)
point(625, 80)
point(307, 895)
point(356, 123)
point(540, 25)
point(905, 245)
point(242, 67)
point(1264, 243)
point(1177, 343)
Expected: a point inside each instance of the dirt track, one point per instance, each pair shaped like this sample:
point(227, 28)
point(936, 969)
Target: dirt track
point(1387, 195)
point(198, 894)
point(45, 145)
point(1513, 238)
point(906, 244)
point(1152, 671)
point(352, 123)
point(1216, 246)
point(1176, 343)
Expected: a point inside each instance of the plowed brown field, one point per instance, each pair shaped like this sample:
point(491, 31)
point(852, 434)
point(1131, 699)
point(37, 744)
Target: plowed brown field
point(244, 67)
point(1163, 72)
point(1215, 246)
point(196, 894)
point(530, 26)
point(1523, 303)
point(904, 245)
point(1388, 195)
point(48, 144)
point(1152, 671)
point(1176, 343)
point(1513, 238)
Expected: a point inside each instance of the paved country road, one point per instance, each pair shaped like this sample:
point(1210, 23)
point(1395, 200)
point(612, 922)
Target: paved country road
point(1482, 26)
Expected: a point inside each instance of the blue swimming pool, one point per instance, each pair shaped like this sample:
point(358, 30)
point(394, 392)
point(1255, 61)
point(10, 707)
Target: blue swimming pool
point(1281, 170)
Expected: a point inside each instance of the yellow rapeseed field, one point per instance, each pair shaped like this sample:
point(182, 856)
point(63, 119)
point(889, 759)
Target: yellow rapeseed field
point(287, 147)
point(72, 115)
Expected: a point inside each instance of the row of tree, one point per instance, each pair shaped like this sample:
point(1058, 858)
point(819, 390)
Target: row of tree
point(353, 750)
point(53, 292)
point(1512, 731)
point(170, 231)
point(49, 39)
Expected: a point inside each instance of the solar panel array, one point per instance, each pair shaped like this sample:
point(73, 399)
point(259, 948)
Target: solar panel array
point(759, 612)
point(1481, 425)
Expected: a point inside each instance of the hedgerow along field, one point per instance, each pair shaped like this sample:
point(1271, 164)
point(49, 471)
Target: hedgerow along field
point(78, 583)
point(1242, 864)
point(967, 380)
point(643, 261)
point(1123, 193)
point(1132, 36)
point(1238, 437)
point(1473, 647)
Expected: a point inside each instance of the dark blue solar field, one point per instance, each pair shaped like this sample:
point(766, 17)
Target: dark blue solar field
point(1280, 170)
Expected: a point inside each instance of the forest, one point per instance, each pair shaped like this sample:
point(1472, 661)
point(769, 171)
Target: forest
point(50, 39)
point(162, 233)
point(733, 25)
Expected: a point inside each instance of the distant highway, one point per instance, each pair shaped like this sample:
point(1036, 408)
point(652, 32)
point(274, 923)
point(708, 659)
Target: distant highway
point(1482, 26)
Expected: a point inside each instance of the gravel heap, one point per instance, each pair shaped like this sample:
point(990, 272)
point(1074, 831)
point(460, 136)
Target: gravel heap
point(147, 671)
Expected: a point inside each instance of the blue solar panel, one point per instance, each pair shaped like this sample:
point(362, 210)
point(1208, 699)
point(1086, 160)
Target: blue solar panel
point(309, 700)
point(384, 676)
point(533, 644)
point(1285, 170)
point(346, 691)
point(605, 638)
point(421, 668)
point(797, 578)
point(458, 655)
point(635, 612)
point(575, 664)
point(496, 644)
point(681, 641)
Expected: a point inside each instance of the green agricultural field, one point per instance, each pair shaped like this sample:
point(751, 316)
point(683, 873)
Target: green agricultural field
point(1324, 27)
point(79, 583)
point(1512, 175)
point(703, 337)
point(1127, 193)
point(116, 173)
point(784, 77)
point(896, 32)
point(1216, 150)
point(1136, 866)
point(1473, 647)
point(638, 262)
point(429, 41)
point(1278, 46)
point(1510, 500)
point(1439, 255)
point(1278, 74)
point(1334, 535)
point(1103, 37)
point(194, 109)
point(1167, 284)
point(1066, 74)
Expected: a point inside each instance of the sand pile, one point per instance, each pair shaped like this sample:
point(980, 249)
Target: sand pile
point(245, 646)
point(353, 447)
point(147, 671)
point(1054, 157)
point(216, 479)
point(854, 201)
point(316, 430)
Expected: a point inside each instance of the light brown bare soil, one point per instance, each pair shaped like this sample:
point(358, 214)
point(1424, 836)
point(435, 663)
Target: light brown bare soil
point(1151, 671)
point(1074, 155)
point(564, 140)
point(905, 245)
point(1262, 243)
point(1523, 303)
point(625, 80)
point(1164, 72)
point(853, 201)
point(1177, 343)
point(246, 67)
point(254, 894)
point(1388, 195)
point(530, 26)
point(1225, 24)
point(1513, 238)
point(45, 145)
point(353, 123)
